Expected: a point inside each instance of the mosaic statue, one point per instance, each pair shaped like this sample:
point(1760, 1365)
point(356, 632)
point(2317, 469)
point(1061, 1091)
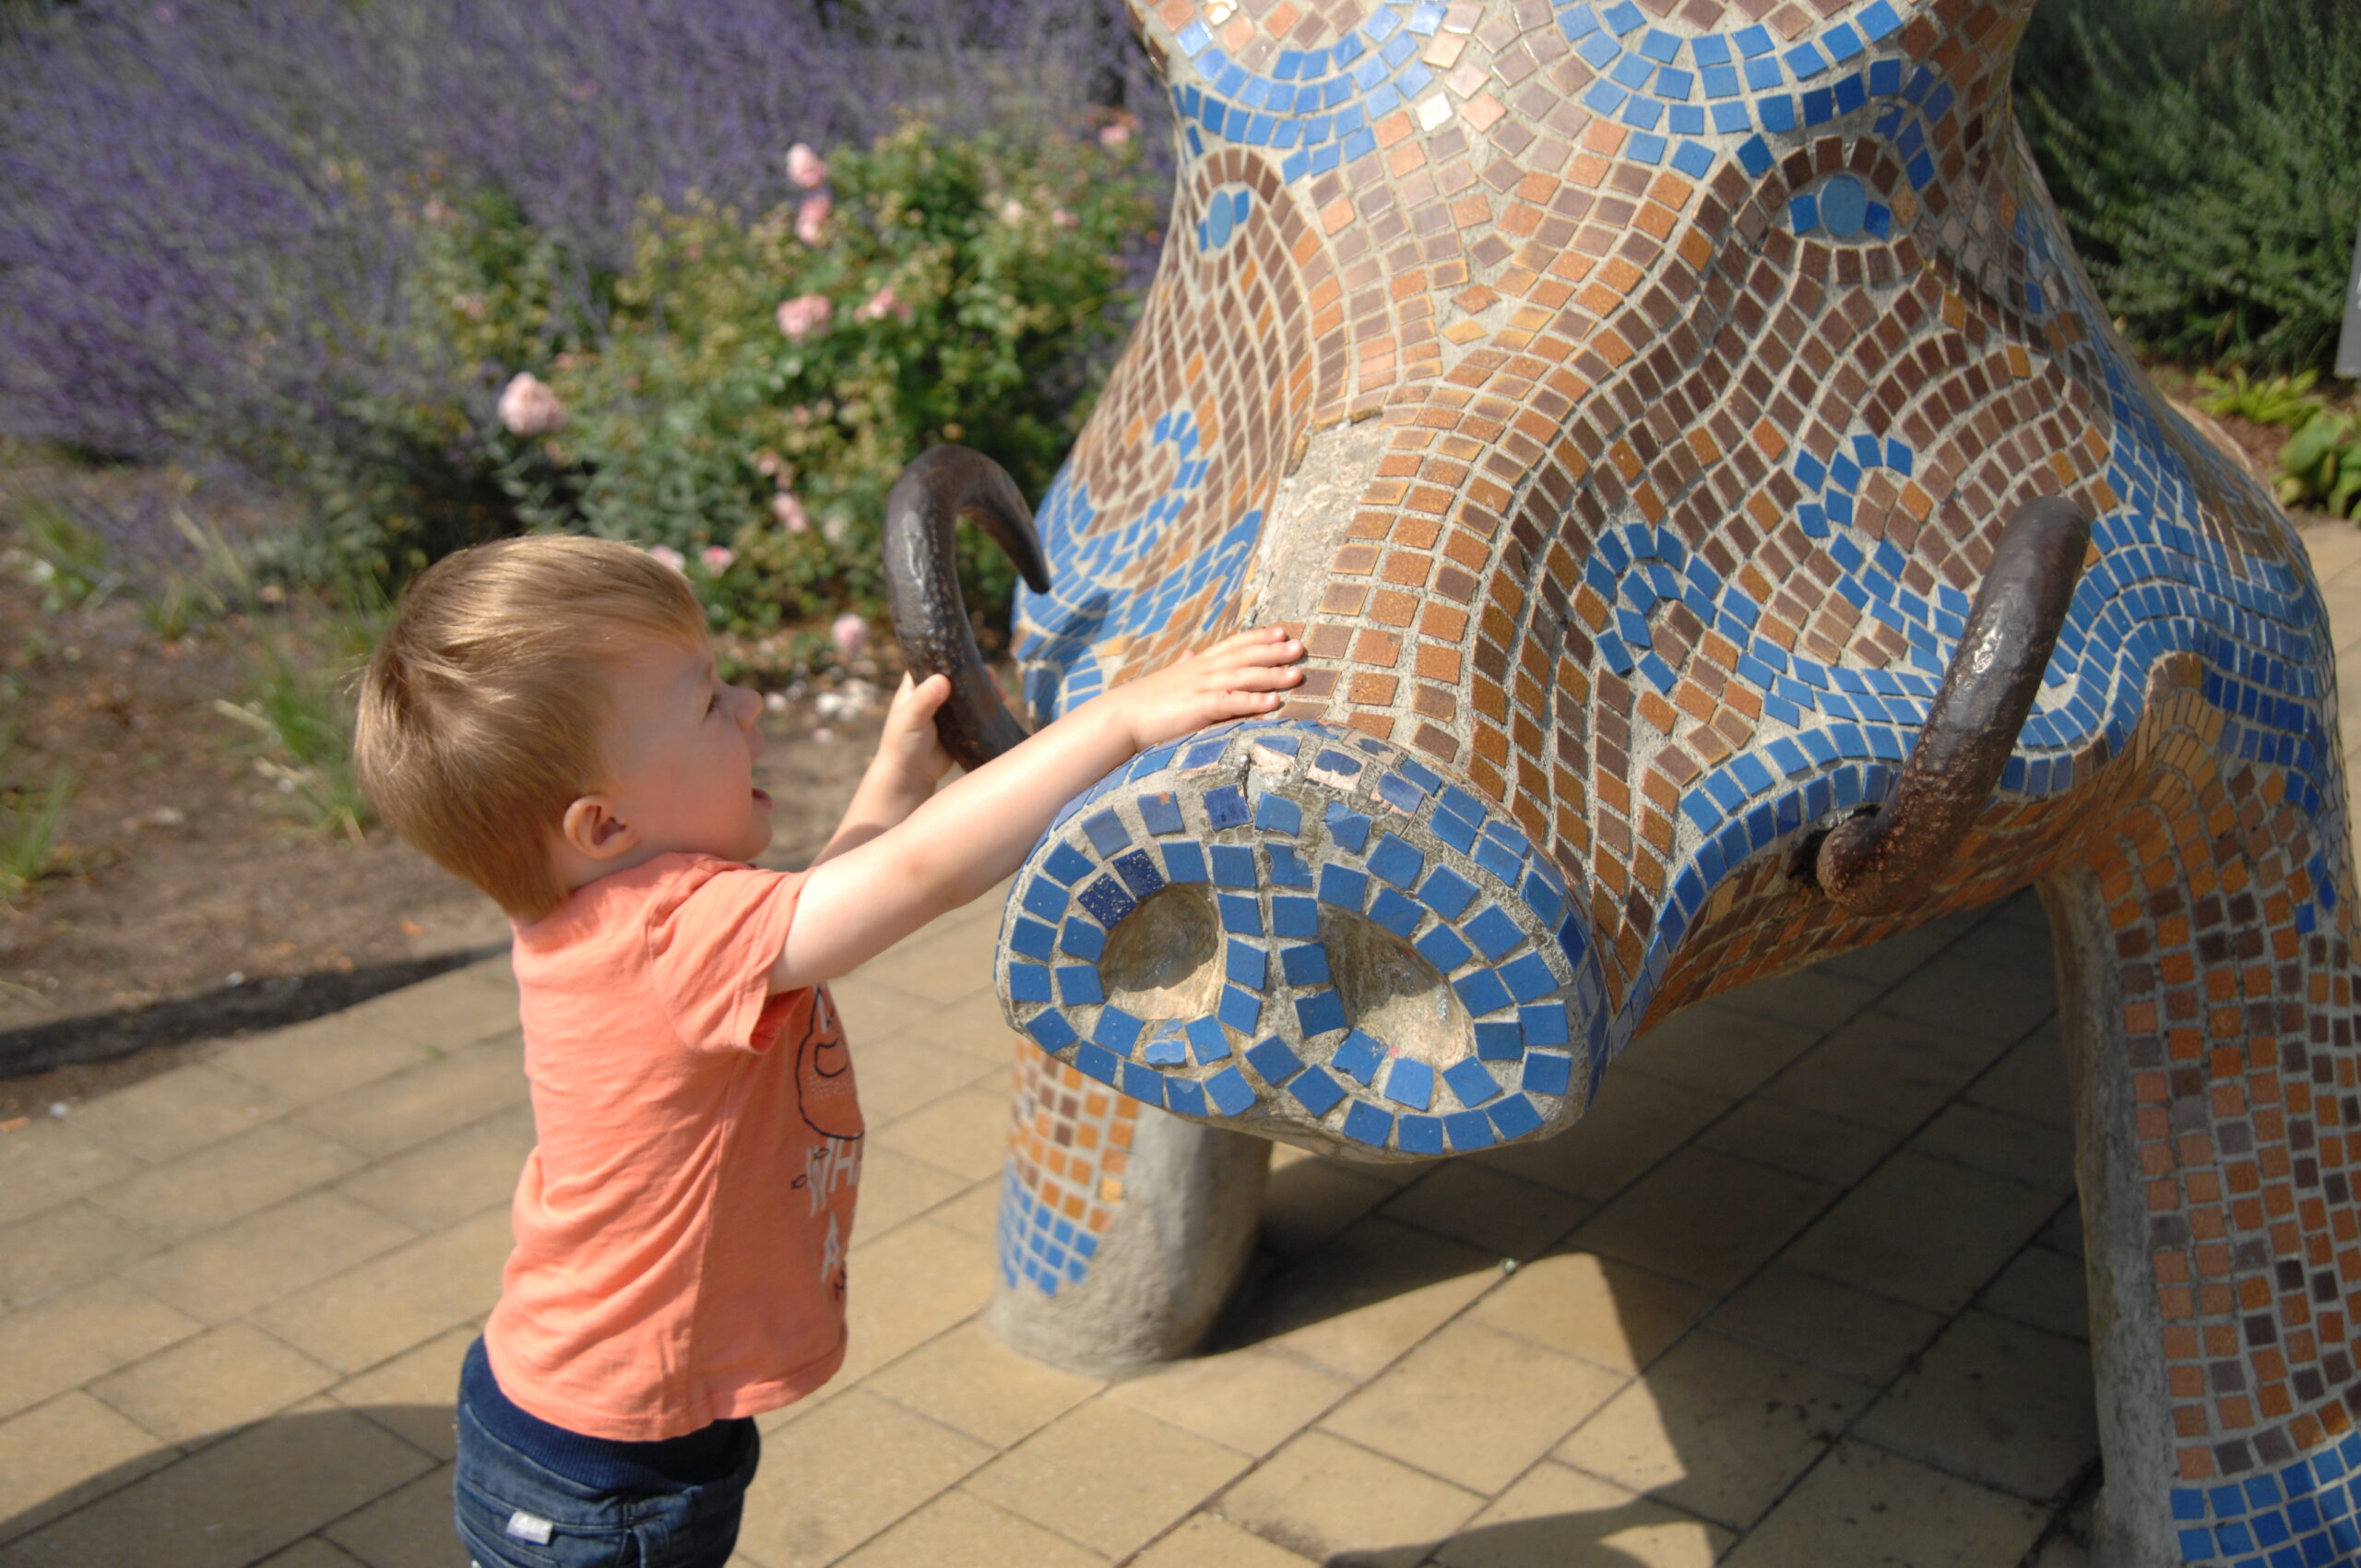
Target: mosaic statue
point(1726, 532)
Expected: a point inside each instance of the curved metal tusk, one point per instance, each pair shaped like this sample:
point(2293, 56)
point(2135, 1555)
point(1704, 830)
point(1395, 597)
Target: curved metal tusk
point(940, 485)
point(1878, 863)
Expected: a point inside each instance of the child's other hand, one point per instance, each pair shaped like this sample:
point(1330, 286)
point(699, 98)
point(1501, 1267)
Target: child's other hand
point(910, 746)
point(1237, 677)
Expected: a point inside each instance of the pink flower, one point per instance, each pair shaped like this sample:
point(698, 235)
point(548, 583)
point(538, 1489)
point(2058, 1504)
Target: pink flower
point(805, 167)
point(716, 559)
point(789, 510)
point(851, 634)
point(767, 464)
point(880, 305)
point(1115, 135)
point(529, 407)
point(812, 218)
point(1012, 211)
point(799, 315)
point(670, 556)
point(1062, 219)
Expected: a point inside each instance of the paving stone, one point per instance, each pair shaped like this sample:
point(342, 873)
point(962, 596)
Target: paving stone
point(2017, 949)
point(1369, 1296)
point(895, 1187)
point(57, 1457)
point(1204, 1541)
point(447, 1012)
point(409, 1527)
point(53, 1162)
point(1634, 1122)
point(1716, 1050)
point(1881, 964)
point(204, 1386)
point(1993, 1141)
point(208, 1189)
point(975, 1027)
point(1997, 1007)
point(844, 1473)
point(972, 1383)
point(974, 1214)
point(1861, 1505)
point(1998, 1402)
point(87, 1332)
point(449, 1178)
point(61, 1247)
point(1326, 1499)
point(232, 1271)
point(312, 1553)
point(901, 1073)
point(234, 1502)
point(1816, 999)
point(1833, 1326)
point(1717, 1428)
point(2044, 1289)
point(2030, 1081)
point(1557, 1516)
point(915, 1282)
point(1473, 1405)
point(414, 1395)
point(176, 1111)
point(1310, 1202)
point(1706, 1217)
point(1109, 1476)
point(1604, 1312)
point(941, 965)
point(1924, 1231)
point(1488, 1210)
point(422, 1102)
point(324, 1056)
point(874, 1010)
point(965, 1133)
point(1826, 1148)
point(1251, 1400)
point(402, 1299)
point(957, 1530)
point(1884, 1071)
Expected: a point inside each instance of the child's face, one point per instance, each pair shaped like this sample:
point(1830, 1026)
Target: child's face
point(680, 748)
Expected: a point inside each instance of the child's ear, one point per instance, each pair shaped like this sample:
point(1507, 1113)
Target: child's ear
point(591, 827)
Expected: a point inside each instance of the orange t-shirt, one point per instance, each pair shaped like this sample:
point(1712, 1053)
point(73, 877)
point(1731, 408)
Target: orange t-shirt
point(680, 1227)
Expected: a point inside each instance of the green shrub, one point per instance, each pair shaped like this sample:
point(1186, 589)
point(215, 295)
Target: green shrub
point(970, 290)
point(2320, 465)
point(2203, 155)
point(2278, 399)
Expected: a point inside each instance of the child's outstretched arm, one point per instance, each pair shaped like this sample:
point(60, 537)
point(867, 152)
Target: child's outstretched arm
point(863, 899)
point(909, 763)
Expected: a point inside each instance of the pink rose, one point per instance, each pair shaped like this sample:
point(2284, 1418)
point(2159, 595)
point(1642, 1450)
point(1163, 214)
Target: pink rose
point(1062, 219)
point(805, 167)
point(789, 510)
point(767, 464)
point(812, 218)
point(880, 305)
point(799, 315)
point(716, 559)
point(1012, 211)
point(851, 634)
point(670, 556)
point(1115, 135)
point(529, 407)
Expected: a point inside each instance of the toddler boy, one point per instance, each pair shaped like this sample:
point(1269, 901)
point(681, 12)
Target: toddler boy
point(545, 720)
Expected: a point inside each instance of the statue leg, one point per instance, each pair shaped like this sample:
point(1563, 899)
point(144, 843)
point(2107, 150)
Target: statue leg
point(1123, 1229)
point(2206, 990)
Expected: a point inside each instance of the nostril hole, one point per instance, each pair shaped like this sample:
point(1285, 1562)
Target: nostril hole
point(1393, 994)
point(1164, 960)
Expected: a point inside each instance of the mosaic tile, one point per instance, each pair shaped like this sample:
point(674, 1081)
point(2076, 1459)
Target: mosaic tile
point(1698, 349)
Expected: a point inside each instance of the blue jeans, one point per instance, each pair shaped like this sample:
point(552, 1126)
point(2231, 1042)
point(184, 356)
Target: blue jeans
point(516, 1513)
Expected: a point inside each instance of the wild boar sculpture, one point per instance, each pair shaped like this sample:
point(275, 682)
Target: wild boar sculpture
point(1726, 532)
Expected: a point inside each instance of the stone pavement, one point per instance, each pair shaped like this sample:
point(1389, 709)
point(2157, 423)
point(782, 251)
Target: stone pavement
point(1707, 1324)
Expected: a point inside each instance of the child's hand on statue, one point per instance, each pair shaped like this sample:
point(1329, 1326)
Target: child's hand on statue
point(1238, 677)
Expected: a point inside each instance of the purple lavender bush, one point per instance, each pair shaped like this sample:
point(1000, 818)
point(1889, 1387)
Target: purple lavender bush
point(211, 211)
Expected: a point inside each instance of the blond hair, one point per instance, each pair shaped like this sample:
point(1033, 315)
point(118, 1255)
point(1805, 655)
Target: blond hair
point(476, 726)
